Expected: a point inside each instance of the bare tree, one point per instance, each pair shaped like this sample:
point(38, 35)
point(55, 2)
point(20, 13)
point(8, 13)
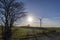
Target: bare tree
point(10, 11)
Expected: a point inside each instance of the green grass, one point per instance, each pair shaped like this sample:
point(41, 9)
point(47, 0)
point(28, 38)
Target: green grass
point(53, 28)
point(18, 32)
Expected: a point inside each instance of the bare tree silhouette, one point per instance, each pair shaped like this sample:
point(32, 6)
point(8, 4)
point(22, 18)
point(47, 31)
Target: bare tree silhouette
point(10, 11)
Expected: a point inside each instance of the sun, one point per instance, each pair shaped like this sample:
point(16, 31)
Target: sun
point(30, 19)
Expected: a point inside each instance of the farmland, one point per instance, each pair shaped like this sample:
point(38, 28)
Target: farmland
point(22, 32)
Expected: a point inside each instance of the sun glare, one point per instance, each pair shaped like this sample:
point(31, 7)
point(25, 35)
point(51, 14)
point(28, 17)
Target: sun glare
point(30, 19)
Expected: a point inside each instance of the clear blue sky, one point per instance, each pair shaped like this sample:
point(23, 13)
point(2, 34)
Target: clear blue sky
point(43, 8)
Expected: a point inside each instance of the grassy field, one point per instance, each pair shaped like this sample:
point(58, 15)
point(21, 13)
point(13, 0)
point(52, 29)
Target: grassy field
point(18, 32)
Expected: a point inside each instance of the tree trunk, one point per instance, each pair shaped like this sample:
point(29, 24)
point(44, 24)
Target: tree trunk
point(7, 32)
